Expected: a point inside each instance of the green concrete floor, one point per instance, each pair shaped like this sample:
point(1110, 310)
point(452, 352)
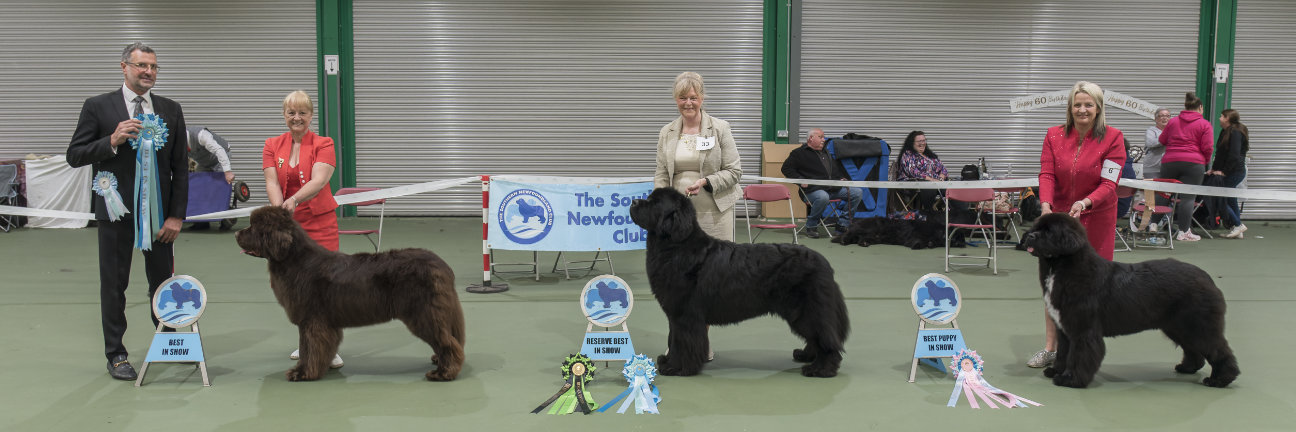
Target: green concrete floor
point(53, 376)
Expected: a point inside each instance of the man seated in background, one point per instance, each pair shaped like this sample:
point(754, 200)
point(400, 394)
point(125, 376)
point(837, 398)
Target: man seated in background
point(812, 162)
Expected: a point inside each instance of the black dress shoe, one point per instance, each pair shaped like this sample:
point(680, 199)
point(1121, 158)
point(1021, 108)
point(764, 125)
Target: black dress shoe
point(812, 232)
point(121, 369)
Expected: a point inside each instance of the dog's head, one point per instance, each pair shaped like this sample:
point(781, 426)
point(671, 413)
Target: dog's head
point(666, 214)
point(1054, 235)
point(270, 234)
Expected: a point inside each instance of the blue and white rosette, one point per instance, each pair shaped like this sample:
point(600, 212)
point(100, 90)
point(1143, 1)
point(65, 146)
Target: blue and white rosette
point(148, 191)
point(639, 372)
point(105, 185)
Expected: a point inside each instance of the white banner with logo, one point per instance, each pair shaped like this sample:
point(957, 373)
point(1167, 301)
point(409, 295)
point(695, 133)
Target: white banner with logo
point(564, 217)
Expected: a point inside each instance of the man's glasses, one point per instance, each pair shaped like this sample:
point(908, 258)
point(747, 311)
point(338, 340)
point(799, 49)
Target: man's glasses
point(145, 66)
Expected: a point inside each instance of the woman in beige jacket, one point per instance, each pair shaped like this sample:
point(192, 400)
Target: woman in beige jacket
point(697, 156)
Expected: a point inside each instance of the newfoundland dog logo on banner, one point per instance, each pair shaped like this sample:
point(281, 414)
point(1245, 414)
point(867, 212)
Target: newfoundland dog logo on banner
point(525, 216)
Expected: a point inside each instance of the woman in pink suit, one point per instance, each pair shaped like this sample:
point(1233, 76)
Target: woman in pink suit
point(1079, 166)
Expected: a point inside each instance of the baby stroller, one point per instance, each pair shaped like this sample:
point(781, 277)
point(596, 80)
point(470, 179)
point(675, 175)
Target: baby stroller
point(209, 193)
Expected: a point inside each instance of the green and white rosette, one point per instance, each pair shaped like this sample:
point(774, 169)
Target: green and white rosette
point(577, 372)
point(640, 372)
point(152, 137)
point(105, 185)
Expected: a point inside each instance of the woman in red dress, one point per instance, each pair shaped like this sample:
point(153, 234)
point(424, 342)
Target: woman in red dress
point(1079, 166)
point(297, 168)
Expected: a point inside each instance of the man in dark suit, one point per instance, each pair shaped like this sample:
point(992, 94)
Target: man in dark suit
point(102, 139)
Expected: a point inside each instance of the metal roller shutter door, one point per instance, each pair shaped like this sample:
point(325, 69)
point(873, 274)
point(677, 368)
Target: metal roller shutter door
point(228, 63)
point(1264, 88)
point(448, 89)
point(949, 68)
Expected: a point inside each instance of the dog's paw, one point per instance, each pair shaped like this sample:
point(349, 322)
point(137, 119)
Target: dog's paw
point(815, 371)
point(1050, 372)
point(439, 374)
point(1066, 379)
point(299, 374)
point(803, 356)
point(1187, 369)
point(1216, 382)
point(670, 370)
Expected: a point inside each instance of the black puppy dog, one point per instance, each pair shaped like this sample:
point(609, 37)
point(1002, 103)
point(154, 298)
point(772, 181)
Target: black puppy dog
point(1088, 297)
point(699, 280)
point(913, 234)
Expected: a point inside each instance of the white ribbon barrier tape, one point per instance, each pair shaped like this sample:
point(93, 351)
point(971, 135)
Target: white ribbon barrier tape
point(1250, 194)
point(392, 192)
point(971, 184)
point(417, 188)
point(570, 180)
point(1256, 194)
point(31, 212)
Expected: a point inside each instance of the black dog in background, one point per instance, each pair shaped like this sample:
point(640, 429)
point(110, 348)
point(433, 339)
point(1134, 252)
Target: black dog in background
point(925, 232)
point(913, 234)
point(700, 281)
point(1089, 297)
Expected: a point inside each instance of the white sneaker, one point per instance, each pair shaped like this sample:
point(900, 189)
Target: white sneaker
point(336, 363)
point(1152, 227)
point(1185, 236)
point(1042, 359)
point(1236, 232)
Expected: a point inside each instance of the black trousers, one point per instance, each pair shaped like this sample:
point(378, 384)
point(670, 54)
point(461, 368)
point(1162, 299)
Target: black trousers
point(115, 253)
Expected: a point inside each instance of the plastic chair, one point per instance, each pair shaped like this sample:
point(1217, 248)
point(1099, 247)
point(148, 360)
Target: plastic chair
point(382, 209)
point(1121, 193)
point(836, 209)
point(1012, 213)
point(8, 193)
point(764, 193)
point(987, 230)
point(1150, 211)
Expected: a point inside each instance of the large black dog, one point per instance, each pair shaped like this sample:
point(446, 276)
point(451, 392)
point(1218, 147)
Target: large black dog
point(1089, 297)
point(699, 280)
point(324, 291)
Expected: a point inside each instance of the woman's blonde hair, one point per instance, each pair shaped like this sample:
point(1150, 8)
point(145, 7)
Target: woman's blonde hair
point(686, 81)
point(1100, 120)
point(298, 99)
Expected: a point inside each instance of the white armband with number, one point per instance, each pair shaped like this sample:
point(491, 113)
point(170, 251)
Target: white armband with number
point(1111, 170)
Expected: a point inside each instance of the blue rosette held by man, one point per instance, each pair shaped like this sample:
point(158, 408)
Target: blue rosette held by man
point(151, 137)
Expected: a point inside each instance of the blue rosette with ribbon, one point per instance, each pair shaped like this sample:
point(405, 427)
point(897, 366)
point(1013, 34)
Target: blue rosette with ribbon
point(151, 137)
point(577, 372)
point(640, 371)
point(105, 185)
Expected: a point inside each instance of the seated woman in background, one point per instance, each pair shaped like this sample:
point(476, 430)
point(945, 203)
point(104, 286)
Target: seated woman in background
point(917, 162)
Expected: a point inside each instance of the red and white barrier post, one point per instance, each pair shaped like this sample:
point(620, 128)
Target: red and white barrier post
point(486, 287)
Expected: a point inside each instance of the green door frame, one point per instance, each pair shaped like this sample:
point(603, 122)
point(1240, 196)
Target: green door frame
point(775, 77)
point(1216, 40)
point(336, 66)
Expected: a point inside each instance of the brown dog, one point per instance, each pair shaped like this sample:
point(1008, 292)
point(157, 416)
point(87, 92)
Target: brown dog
point(324, 291)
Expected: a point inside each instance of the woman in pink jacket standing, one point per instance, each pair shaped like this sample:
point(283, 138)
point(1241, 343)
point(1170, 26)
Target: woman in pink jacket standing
point(1079, 166)
point(1189, 141)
